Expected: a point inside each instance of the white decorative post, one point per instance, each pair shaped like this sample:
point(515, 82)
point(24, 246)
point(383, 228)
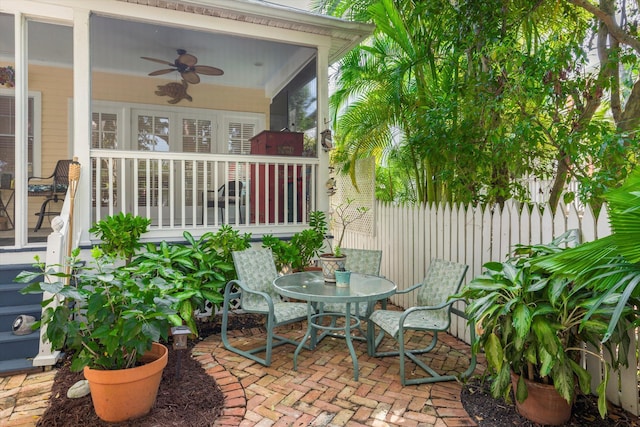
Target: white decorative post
point(54, 260)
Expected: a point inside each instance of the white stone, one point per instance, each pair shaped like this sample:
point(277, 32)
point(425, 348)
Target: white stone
point(79, 389)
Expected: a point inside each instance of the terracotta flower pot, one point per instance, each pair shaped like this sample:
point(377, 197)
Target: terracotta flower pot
point(330, 264)
point(124, 394)
point(543, 405)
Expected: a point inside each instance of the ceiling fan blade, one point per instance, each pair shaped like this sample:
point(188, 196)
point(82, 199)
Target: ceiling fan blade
point(190, 77)
point(207, 70)
point(187, 59)
point(160, 72)
point(159, 61)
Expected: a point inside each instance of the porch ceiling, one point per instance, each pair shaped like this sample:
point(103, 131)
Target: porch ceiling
point(344, 34)
point(118, 44)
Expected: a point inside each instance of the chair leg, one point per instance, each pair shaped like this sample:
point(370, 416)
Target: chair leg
point(403, 353)
point(272, 340)
point(43, 211)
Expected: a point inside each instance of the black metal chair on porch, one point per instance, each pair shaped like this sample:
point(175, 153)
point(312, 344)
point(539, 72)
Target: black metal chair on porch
point(53, 188)
point(228, 195)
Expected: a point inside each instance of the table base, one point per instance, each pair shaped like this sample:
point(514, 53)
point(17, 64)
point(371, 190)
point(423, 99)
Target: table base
point(314, 325)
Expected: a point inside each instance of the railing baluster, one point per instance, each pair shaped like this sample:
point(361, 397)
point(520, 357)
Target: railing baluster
point(276, 191)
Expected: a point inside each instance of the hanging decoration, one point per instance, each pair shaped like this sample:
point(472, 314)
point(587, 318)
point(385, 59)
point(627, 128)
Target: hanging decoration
point(7, 76)
point(326, 140)
point(176, 91)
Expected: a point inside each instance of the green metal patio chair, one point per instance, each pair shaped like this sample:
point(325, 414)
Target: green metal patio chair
point(256, 271)
point(432, 314)
point(363, 261)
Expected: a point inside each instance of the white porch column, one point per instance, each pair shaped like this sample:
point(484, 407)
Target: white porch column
point(322, 63)
point(82, 122)
point(22, 133)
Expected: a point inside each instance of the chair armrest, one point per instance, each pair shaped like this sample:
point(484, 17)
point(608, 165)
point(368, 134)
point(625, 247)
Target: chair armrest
point(227, 290)
point(39, 178)
point(411, 310)
point(248, 290)
point(411, 289)
point(457, 311)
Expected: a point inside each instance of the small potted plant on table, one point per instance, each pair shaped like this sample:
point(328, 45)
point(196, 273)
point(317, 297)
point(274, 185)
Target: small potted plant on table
point(342, 216)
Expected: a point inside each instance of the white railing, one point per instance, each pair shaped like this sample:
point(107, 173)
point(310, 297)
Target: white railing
point(195, 190)
point(410, 236)
point(55, 260)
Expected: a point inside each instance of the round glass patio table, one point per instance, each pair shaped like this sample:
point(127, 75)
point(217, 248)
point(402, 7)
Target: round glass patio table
point(310, 286)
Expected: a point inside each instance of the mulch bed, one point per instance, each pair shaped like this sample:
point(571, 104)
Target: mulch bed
point(188, 397)
point(194, 399)
point(489, 412)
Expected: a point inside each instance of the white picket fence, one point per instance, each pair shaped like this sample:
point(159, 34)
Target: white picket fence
point(410, 236)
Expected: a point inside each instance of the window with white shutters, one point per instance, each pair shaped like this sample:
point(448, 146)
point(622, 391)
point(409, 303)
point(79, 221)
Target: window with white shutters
point(104, 134)
point(8, 137)
point(240, 134)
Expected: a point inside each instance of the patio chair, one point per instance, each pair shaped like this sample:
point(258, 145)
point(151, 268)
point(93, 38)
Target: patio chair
point(432, 314)
point(51, 187)
point(363, 261)
point(256, 272)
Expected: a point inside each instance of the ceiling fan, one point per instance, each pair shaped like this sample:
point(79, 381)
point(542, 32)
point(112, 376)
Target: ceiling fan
point(185, 64)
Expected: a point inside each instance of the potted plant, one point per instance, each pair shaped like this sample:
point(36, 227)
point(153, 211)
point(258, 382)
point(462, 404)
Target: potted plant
point(531, 325)
point(110, 318)
point(342, 216)
point(297, 254)
point(609, 265)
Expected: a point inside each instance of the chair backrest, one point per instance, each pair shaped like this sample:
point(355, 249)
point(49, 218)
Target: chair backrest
point(5, 181)
point(363, 261)
point(231, 188)
point(228, 190)
point(58, 184)
point(257, 270)
point(61, 177)
point(442, 280)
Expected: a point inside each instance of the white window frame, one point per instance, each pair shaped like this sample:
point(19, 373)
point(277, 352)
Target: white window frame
point(36, 167)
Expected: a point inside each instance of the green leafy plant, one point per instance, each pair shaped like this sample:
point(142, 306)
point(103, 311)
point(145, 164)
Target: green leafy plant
point(225, 241)
point(197, 271)
point(609, 265)
point(302, 248)
point(120, 234)
point(108, 315)
point(284, 253)
point(534, 323)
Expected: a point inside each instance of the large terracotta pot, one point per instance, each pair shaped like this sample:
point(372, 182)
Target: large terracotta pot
point(124, 394)
point(543, 404)
point(330, 264)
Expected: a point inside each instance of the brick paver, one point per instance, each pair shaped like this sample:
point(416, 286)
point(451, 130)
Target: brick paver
point(321, 393)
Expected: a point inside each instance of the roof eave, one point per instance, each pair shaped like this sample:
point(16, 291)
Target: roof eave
point(345, 35)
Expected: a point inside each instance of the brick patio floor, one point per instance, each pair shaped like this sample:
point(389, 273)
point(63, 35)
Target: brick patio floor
point(321, 393)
